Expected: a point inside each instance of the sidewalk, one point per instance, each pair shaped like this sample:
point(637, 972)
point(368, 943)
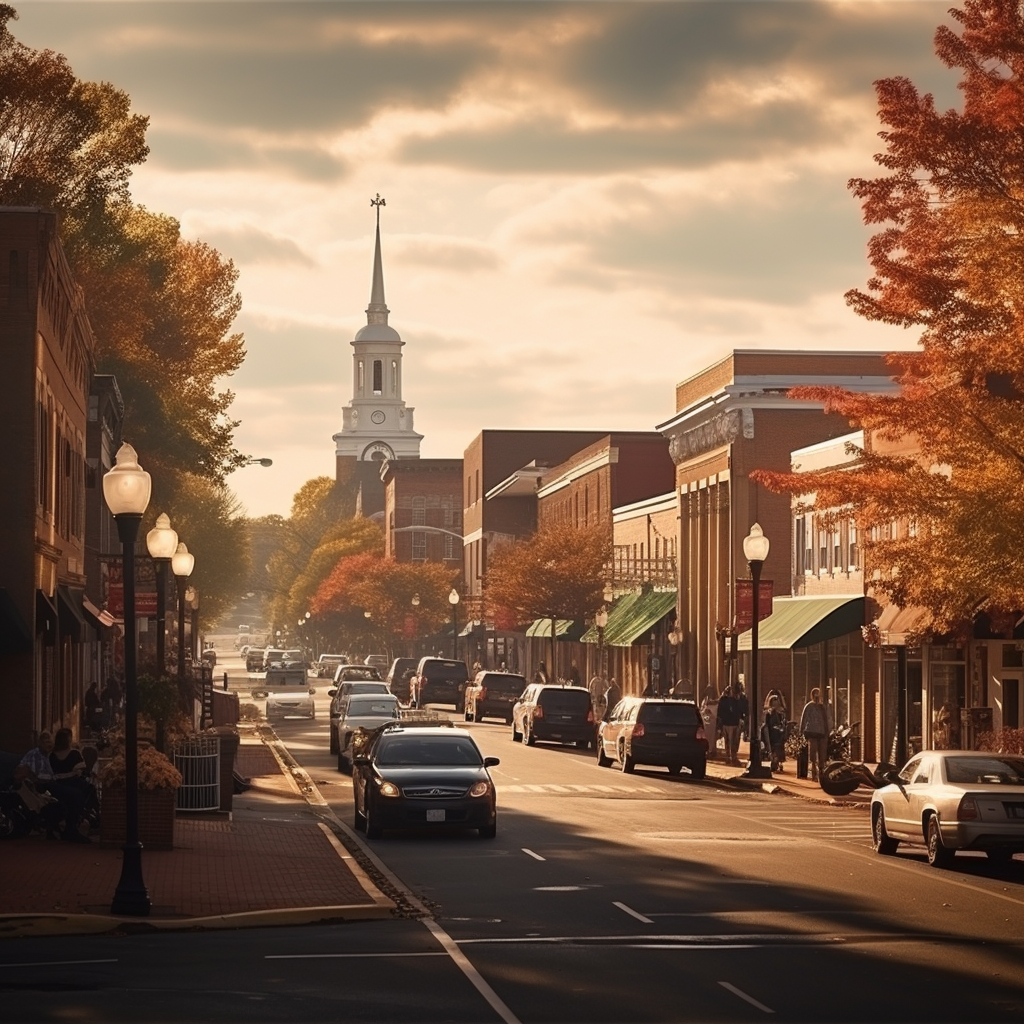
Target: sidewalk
point(272, 861)
point(786, 782)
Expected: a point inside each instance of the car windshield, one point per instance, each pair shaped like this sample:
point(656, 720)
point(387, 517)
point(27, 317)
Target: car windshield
point(985, 771)
point(428, 750)
point(373, 706)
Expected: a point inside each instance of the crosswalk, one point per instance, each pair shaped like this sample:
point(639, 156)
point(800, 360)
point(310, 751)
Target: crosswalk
point(554, 789)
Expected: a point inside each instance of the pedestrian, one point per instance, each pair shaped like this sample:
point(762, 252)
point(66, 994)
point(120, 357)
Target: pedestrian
point(773, 732)
point(597, 687)
point(574, 675)
point(612, 696)
point(815, 725)
point(111, 697)
point(729, 717)
point(709, 712)
point(93, 705)
point(541, 675)
point(744, 709)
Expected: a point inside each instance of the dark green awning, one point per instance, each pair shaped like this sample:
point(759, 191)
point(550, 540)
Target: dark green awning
point(803, 621)
point(632, 615)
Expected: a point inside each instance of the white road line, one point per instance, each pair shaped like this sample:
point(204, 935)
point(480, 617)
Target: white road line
point(462, 962)
point(743, 995)
point(343, 956)
point(535, 856)
point(60, 963)
point(631, 912)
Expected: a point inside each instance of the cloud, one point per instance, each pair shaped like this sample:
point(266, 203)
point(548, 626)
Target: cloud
point(251, 245)
point(443, 253)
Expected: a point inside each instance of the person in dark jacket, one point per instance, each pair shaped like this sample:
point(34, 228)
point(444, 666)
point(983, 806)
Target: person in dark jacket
point(773, 733)
point(729, 720)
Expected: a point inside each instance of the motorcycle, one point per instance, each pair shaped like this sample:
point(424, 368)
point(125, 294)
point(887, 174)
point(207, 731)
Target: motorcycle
point(840, 742)
point(841, 778)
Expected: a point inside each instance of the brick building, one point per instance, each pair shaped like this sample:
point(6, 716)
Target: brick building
point(423, 510)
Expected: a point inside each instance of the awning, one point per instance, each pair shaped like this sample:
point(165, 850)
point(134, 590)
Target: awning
point(803, 621)
point(894, 623)
point(15, 635)
point(69, 611)
point(565, 629)
point(632, 616)
point(46, 618)
point(100, 620)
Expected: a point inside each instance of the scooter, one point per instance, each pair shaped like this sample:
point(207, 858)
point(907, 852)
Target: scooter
point(841, 778)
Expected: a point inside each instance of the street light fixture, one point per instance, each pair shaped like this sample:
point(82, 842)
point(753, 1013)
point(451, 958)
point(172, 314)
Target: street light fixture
point(675, 638)
point(601, 620)
point(182, 564)
point(126, 490)
point(453, 600)
point(161, 543)
point(755, 550)
point(253, 461)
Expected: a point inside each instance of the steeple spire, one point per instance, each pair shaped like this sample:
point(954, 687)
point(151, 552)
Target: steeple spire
point(377, 311)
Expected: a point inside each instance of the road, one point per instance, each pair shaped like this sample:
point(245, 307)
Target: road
point(604, 898)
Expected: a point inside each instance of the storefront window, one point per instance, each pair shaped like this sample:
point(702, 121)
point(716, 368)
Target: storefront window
point(946, 693)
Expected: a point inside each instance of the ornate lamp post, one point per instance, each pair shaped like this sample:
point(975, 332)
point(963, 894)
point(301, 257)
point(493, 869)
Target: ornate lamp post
point(161, 542)
point(755, 550)
point(601, 620)
point(453, 600)
point(675, 638)
point(126, 490)
point(182, 564)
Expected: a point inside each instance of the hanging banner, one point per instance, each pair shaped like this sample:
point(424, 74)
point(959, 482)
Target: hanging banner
point(745, 603)
point(145, 588)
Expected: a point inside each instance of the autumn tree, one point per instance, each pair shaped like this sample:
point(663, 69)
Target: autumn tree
point(947, 260)
point(559, 573)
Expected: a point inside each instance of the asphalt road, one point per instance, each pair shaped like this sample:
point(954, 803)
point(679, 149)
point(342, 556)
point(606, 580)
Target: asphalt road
point(604, 898)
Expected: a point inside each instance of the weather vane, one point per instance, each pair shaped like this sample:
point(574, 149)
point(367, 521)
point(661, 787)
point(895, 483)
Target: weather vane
point(378, 202)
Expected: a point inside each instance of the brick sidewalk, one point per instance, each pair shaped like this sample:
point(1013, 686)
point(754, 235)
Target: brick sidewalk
point(273, 855)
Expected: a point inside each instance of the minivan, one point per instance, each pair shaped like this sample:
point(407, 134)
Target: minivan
point(439, 681)
point(656, 731)
point(561, 714)
point(492, 695)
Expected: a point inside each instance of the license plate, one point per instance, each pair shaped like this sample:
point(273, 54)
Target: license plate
point(435, 815)
point(671, 735)
point(1014, 810)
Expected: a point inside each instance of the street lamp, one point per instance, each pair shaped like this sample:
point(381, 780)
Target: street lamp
point(182, 564)
point(755, 550)
point(126, 490)
point(601, 620)
point(675, 638)
point(161, 543)
point(453, 600)
point(253, 461)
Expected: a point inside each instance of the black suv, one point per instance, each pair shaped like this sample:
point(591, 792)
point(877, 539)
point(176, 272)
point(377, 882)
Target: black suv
point(492, 695)
point(650, 730)
point(562, 714)
point(439, 681)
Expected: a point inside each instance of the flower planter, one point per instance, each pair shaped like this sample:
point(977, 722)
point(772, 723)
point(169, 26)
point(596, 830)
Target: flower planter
point(156, 817)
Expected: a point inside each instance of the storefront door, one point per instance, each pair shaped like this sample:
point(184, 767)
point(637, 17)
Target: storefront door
point(1013, 684)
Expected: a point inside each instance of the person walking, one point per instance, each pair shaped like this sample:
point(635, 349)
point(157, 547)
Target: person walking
point(612, 696)
point(541, 675)
point(729, 719)
point(773, 732)
point(815, 725)
point(597, 688)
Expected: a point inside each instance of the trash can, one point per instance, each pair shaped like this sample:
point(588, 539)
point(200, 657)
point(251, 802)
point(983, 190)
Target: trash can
point(801, 762)
point(198, 760)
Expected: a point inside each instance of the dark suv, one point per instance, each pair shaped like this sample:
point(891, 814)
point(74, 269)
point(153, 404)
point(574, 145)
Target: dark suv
point(562, 714)
point(439, 681)
point(651, 730)
point(492, 695)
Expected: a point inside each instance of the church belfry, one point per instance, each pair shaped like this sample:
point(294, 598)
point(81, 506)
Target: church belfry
point(376, 424)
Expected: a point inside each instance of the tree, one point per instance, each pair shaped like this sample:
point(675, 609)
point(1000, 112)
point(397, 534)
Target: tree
point(947, 262)
point(559, 573)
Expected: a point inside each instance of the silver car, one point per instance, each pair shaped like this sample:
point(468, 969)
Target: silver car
point(949, 800)
point(361, 711)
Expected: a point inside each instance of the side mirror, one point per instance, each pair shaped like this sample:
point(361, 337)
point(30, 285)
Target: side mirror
point(332, 692)
point(490, 762)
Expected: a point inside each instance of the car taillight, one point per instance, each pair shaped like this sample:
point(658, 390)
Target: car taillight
point(967, 809)
point(538, 712)
point(700, 734)
point(483, 693)
point(590, 716)
point(638, 730)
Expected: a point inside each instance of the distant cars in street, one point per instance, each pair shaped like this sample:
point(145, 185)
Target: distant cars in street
point(254, 659)
point(493, 695)
point(553, 713)
point(377, 661)
point(654, 731)
point(415, 777)
point(342, 691)
point(327, 665)
point(399, 677)
point(949, 800)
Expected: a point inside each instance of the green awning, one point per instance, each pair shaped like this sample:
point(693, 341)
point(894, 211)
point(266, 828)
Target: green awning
point(803, 621)
point(631, 616)
point(565, 629)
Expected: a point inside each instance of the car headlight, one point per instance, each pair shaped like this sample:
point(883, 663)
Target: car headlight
point(389, 789)
point(480, 789)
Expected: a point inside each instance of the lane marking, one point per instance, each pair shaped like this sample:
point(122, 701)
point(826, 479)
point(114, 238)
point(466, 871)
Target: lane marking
point(743, 995)
point(535, 856)
point(60, 963)
point(687, 941)
point(462, 962)
point(343, 956)
point(631, 912)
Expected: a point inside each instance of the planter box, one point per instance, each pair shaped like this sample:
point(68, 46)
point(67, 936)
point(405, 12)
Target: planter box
point(156, 818)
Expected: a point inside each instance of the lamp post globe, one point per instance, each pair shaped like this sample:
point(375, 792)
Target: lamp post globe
point(161, 542)
point(755, 549)
point(126, 490)
point(453, 600)
point(182, 564)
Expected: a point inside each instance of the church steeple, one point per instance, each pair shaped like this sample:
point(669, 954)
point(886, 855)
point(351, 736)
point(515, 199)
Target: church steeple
point(377, 311)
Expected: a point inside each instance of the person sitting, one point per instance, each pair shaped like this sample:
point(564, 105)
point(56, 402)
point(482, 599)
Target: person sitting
point(69, 765)
point(35, 768)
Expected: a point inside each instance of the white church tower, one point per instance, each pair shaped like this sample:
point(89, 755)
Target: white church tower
point(376, 424)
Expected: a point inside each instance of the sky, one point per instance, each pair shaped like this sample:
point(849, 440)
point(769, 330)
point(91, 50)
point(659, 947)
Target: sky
point(586, 202)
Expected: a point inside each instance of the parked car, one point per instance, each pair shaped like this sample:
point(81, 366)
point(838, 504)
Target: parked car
point(289, 658)
point(547, 711)
point(423, 777)
point(348, 673)
point(288, 692)
point(377, 661)
point(340, 693)
point(254, 659)
point(493, 695)
point(209, 657)
point(949, 800)
point(327, 665)
point(271, 654)
point(399, 677)
point(439, 681)
point(360, 711)
point(657, 731)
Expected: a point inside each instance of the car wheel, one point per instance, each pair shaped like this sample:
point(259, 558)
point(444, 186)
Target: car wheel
point(939, 856)
point(675, 768)
point(528, 738)
point(999, 856)
point(626, 762)
point(468, 716)
point(603, 760)
point(516, 736)
point(477, 715)
point(488, 831)
point(358, 821)
point(882, 842)
point(699, 770)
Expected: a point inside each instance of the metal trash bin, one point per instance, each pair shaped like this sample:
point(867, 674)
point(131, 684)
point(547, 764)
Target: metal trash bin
point(198, 760)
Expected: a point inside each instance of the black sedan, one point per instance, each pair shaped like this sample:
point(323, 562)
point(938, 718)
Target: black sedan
point(413, 777)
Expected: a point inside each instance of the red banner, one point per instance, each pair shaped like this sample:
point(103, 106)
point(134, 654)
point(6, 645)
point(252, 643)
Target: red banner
point(145, 589)
point(745, 603)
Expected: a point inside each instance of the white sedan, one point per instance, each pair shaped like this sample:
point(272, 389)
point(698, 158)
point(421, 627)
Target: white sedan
point(949, 800)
